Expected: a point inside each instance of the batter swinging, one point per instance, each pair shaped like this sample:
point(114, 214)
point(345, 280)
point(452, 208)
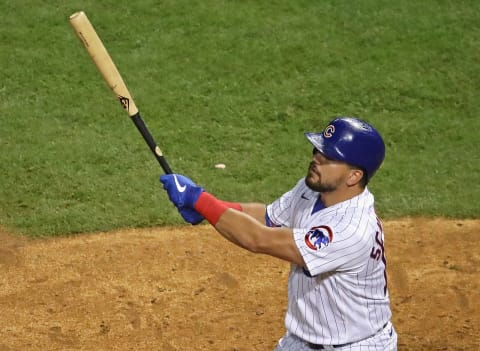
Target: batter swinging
point(327, 228)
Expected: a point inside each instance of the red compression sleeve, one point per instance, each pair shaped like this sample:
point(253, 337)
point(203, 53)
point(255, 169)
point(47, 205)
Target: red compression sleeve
point(212, 208)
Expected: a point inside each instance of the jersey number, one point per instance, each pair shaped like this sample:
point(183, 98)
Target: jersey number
point(378, 252)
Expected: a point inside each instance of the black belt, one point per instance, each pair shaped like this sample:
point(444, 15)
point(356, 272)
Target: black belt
point(325, 347)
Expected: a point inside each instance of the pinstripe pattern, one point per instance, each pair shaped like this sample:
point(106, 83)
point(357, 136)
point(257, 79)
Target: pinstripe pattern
point(384, 340)
point(343, 299)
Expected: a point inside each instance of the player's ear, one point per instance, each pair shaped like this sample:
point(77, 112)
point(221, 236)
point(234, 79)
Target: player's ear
point(355, 176)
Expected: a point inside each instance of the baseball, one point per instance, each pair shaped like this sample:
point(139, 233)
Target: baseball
point(220, 165)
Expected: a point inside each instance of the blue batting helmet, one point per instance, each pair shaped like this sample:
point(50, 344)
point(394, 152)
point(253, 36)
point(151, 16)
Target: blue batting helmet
point(353, 141)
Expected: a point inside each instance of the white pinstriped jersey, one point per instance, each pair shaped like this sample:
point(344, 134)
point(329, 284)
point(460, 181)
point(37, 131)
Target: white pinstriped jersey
point(343, 296)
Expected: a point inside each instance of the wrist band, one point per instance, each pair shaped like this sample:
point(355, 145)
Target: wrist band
point(212, 208)
point(234, 205)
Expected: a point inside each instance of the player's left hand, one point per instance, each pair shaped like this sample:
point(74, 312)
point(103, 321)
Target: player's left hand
point(182, 191)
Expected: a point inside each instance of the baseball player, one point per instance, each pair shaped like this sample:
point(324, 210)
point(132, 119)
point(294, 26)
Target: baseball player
point(326, 227)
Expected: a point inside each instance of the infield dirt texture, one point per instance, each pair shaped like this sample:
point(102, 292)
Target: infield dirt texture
point(186, 288)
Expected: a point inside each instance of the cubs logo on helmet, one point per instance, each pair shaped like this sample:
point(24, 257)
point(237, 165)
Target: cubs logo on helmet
point(328, 132)
point(318, 237)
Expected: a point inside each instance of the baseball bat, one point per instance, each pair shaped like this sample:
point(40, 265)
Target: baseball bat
point(99, 54)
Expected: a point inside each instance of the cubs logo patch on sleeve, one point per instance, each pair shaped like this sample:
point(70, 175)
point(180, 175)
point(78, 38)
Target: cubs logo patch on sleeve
point(319, 237)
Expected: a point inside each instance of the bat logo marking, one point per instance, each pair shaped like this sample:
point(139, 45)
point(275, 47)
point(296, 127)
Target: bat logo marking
point(125, 102)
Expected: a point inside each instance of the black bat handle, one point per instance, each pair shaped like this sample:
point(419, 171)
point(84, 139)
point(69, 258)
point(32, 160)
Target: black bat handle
point(142, 128)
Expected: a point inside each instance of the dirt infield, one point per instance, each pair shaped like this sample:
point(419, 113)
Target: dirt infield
point(186, 288)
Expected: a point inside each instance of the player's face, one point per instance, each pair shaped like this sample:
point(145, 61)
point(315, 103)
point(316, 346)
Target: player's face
point(324, 174)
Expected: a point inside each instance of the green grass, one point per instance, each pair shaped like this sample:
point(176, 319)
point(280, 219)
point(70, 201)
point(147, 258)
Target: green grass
point(236, 82)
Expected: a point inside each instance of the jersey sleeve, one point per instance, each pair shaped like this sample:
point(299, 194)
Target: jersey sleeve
point(279, 212)
point(333, 246)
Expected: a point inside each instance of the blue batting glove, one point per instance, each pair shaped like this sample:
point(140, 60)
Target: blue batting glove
point(182, 191)
point(190, 215)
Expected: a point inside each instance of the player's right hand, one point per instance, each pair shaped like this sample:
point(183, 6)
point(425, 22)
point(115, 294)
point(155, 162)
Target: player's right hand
point(190, 215)
point(182, 191)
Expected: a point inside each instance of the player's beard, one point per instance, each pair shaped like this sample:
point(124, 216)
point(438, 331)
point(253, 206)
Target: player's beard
point(319, 186)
